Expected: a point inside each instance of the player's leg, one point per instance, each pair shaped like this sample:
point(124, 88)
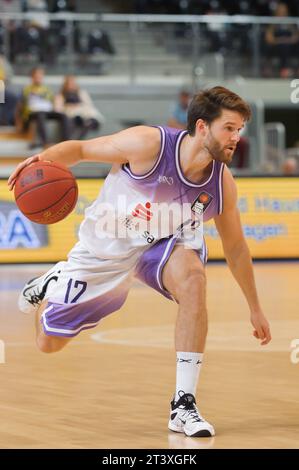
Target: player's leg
point(64, 123)
point(179, 274)
point(41, 125)
point(46, 343)
point(75, 295)
point(32, 301)
point(184, 278)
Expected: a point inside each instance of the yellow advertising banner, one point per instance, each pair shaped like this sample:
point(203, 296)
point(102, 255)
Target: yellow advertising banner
point(269, 210)
point(24, 241)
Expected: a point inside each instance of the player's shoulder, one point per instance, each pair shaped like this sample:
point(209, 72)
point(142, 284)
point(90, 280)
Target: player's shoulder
point(152, 132)
point(229, 188)
point(228, 177)
point(145, 138)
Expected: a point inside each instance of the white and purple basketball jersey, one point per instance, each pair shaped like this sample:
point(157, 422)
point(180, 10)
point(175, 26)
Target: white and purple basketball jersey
point(136, 196)
point(96, 278)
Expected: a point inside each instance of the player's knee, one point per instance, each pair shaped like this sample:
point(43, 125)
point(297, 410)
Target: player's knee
point(48, 345)
point(192, 286)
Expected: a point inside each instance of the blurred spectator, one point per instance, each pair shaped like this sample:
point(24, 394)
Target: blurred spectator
point(282, 41)
point(8, 108)
point(36, 106)
point(200, 7)
point(6, 71)
point(60, 30)
point(217, 33)
point(290, 167)
point(79, 108)
point(178, 118)
point(99, 41)
point(38, 10)
point(37, 30)
point(13, 27)
point(63, 5)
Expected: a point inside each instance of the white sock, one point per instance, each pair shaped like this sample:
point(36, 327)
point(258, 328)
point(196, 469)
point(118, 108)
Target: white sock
point(187, 372)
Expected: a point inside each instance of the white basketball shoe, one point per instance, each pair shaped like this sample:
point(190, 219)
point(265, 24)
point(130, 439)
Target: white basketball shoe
point(34, 291)
point(185, 418)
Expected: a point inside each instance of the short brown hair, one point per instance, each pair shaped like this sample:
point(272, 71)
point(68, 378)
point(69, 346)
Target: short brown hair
point(208, 105)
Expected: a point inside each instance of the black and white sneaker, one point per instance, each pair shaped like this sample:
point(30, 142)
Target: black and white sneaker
point(35, 290)
point(185, 417)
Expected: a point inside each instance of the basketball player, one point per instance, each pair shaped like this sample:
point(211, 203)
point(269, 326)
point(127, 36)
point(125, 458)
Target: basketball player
point(153, 164)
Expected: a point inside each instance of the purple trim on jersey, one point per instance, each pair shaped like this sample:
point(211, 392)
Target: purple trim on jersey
point(166, 182)
point(179, 168)
point(126, 166)
point(69, 319)
point(220, 194)
point(205, 252)
point(150, 266)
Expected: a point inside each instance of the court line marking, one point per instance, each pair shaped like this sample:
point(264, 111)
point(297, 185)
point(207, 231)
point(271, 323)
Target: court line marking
point(223, 336)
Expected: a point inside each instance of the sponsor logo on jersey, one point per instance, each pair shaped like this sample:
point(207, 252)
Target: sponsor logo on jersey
point(146, 219)
point(133, 225)
point(201, 203)
point(165, 179)
point(142, 211)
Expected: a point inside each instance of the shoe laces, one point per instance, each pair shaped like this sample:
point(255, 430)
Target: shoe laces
point(187, 404)
point(36, 297)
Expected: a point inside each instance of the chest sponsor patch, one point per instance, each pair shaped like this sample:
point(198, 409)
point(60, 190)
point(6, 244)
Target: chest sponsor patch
point(202, 202)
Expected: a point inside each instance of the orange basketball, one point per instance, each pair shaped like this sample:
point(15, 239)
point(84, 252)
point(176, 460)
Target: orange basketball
point(46, 192)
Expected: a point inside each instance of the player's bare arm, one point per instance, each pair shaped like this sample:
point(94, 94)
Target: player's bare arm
point(238, 256)
point(138, 146)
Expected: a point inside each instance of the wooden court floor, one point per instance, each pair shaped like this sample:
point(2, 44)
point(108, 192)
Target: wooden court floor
point(111, 387)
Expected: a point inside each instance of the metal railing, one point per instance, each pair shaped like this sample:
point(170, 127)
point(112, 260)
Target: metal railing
point(275, 150)
point(176, 44)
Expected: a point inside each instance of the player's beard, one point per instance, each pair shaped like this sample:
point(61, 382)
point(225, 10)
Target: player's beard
point(219, 152)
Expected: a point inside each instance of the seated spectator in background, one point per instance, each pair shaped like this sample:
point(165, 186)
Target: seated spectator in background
point(218, 33)
point(282, 41)
point(36, 106)
point(38, 29)
point(79, 108)
point(38, 10)
point(12, 27)
point(8, 108)
point(99, 41)
point(290, 167)
point(178, 118)
point(64, 5)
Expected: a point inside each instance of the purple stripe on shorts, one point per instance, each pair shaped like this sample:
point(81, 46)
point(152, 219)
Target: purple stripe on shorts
point(69, 319)
point(150, 266)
